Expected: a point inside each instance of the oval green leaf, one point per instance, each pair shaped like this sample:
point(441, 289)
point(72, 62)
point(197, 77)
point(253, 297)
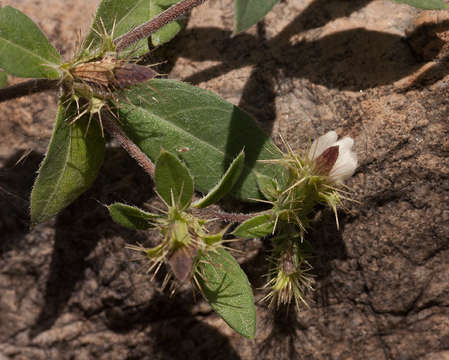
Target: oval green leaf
point(24, 49)
point(225, 185)
point(227, 290)
point(173, 181)
point(71, 164)
point(249, 12)
point(268, 186)
point(131, 217)
point(257, 226)
point(425, 4)
point(206, 131)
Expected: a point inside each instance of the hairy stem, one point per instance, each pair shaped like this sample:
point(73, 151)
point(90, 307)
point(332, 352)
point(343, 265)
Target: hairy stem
point(228, 217)
point(144, 30)
point(27, 88)
point(133, 150)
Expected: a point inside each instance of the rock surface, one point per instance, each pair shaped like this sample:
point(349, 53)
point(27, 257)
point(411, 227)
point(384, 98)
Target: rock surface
point(69, 289)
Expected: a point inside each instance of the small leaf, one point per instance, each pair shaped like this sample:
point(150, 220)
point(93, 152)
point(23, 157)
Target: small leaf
point(71, 164)
point(169, 31)
point(3, 79)
point(172, 178)
point(24, 49)
point(211, 239)
point(131, 217)
point(268, 186)
point(172, 115)
point(257, 226)
point(225, 185)
point(226, 288)
point(425, 4)
point(249, 12)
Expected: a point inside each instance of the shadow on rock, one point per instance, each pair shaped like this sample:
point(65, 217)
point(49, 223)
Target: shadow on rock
point(327, 246)
point(281, 343)
point(81, 226)
point(16, 180)
point(172, 330)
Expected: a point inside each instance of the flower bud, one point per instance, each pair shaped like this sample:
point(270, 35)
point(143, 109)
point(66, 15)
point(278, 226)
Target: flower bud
point(334, 158)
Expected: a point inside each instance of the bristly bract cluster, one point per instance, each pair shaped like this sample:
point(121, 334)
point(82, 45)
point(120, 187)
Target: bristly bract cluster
point(95, 74)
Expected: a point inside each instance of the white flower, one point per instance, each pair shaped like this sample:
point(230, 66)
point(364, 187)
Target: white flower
point(334, 158)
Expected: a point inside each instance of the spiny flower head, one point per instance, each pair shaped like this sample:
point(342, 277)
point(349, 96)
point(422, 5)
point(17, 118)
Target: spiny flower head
point(183, 238)
point(312, 177)
point(290, 279)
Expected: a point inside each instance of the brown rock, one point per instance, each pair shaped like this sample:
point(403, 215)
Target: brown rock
point(69, 289)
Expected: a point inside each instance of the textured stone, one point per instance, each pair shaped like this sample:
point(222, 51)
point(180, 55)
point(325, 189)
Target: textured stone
point(69, 289)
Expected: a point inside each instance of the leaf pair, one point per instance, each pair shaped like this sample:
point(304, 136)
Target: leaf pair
point(174, 183)
point(175, 186)
point(220, 278)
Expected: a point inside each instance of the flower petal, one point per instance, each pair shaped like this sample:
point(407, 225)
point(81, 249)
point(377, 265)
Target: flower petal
point(346, 163)
point(345, 144)
point(321, 144)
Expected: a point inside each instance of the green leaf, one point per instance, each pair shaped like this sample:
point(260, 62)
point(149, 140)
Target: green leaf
point(71, 164)
point(225, 185)
point(24, 49)
point(258, 226)
point(131, 217)
point(170, 30)
point(268, 186)
point(249, 12)
point(173, 179)
point(206, 131)
point(3, 79)
point(425, 4)
point(226, 288)
point(126, 15)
